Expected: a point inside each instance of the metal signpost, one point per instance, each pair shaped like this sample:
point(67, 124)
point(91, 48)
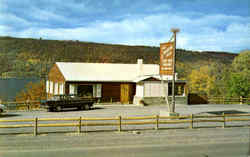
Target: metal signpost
point(174, 30)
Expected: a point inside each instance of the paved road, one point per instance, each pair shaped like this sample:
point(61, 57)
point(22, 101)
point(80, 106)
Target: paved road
point(215, 142)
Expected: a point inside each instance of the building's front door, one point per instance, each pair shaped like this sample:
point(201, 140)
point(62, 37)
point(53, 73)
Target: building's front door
point(125, 93)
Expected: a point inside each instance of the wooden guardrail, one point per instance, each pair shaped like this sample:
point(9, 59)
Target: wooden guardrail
point(122, 122)
point(228, 100)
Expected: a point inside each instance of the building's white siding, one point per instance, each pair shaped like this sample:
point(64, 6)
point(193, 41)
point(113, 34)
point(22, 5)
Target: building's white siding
point(154, 89)
point(139, 90)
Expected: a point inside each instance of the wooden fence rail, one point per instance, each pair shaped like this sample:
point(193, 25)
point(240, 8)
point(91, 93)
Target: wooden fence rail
point(122, 122)
point(228, 100)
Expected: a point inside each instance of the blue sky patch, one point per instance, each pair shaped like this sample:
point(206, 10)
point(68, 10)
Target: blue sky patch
point(212, 25)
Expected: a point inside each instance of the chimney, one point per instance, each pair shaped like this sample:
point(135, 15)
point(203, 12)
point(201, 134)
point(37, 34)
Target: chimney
point(140, 67)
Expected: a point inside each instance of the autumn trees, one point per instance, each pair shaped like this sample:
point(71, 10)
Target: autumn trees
point(201, 81)
point(239, 81)
point(219, 79)
point(32, 92)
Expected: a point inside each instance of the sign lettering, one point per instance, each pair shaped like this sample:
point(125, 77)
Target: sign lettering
point(166, 58)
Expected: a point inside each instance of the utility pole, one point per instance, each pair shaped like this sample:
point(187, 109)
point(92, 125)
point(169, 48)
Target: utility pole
point(175, 31)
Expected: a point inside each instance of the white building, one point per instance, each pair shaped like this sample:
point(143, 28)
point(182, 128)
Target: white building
point(126, 83)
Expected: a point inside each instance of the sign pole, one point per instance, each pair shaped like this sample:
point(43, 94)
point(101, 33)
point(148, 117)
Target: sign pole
point(165, 91)
point(167, 67)
point(174, 30)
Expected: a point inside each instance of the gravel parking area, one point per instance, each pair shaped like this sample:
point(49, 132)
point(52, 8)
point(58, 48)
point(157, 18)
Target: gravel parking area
point(115, 110)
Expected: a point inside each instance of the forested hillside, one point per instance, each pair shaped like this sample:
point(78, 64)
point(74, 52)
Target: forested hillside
point(31, 57)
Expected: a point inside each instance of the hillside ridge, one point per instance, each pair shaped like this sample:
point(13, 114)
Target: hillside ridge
point(28, 57)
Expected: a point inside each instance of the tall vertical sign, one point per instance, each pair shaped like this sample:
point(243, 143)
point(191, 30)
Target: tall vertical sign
point(166, 58)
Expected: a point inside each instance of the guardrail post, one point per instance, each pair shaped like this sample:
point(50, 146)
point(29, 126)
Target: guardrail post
point(241, 100)
point(79, 124)
point(35, 126)
point(119, 123)
point(157, 122)
point(86, 126)
point(224, 120)
point(192, 121)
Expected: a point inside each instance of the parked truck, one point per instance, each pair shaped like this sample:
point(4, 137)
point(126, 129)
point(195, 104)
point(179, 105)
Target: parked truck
point(59, 102)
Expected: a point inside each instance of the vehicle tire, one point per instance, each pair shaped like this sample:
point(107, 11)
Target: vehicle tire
point(80, 107)
point(58, 108)
point(50, 109)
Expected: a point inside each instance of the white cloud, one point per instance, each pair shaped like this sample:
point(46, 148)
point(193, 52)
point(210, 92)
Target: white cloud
point(4, 30)
point(216, 40)
point(238, 27)
point(7, 19)
point(46, 15)
point(162, 7)
point(203, 33)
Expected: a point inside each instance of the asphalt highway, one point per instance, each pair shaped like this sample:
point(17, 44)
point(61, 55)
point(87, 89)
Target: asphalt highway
point(206, 142)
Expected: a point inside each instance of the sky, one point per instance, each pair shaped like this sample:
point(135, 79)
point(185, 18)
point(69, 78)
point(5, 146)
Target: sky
point(205, 25)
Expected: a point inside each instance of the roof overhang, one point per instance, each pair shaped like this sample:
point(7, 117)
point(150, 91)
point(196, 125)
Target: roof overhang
point(157, 77)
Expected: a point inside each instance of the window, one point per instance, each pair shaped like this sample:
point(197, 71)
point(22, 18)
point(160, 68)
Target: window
point(72, 89)
point(56, 89)
point(47, 86)
point(51, 88)
point(61, 88)
point(85, 90)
